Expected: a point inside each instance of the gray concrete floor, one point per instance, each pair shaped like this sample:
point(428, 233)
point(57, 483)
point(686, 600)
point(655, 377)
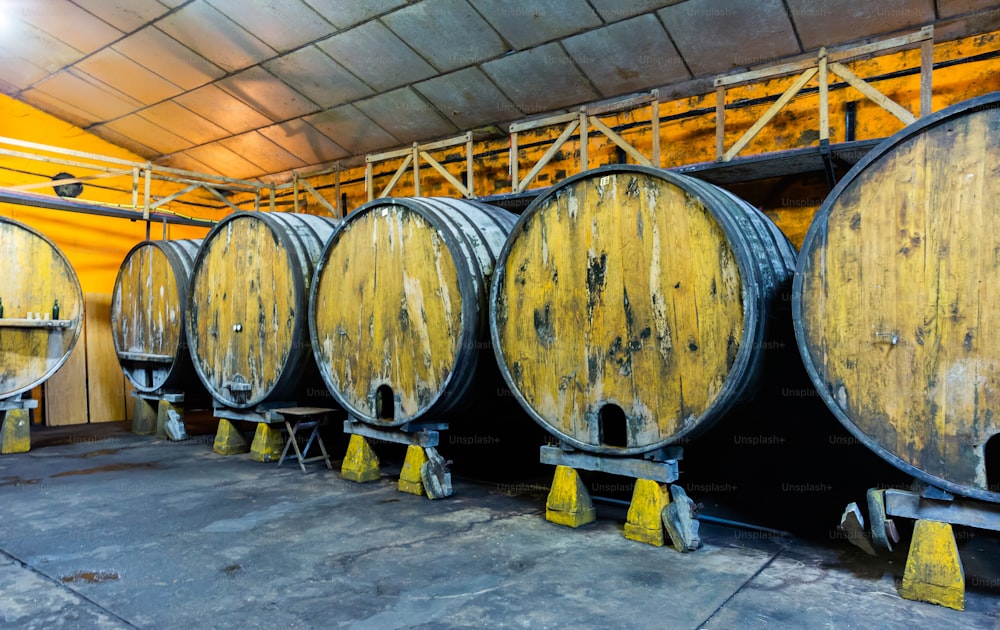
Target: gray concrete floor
point(110, 530)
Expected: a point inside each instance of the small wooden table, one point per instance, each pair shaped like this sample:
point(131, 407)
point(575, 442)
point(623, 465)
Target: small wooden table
point(302, 418)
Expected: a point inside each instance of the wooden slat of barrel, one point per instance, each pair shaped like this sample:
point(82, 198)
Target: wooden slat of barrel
point(36, 274)
point(399, 305)
point(896, 298)
point(246, 318)
point(147, 314)
point(634, 289)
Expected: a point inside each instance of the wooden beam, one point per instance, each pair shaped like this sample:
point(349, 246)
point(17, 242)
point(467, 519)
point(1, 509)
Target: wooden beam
point(584, 140)
point(720, 123)
point(618, 140)
point(770, 113)
point(369, 184)
point(320, 198)
point(173, 196)
point(548, 121)
point(469, 172)
point(881, 99)
point(437, 166)
point(548, 155)
point(926, 76)
point(513, 161)
point(395, 177)
point(824, 97)
point(220, 197)
point(415, 158)
point(654, 123)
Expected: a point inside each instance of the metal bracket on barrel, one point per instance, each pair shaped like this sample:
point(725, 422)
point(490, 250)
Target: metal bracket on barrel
point(425, 435)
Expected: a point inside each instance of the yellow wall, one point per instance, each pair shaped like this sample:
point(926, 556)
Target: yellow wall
point(94, 245)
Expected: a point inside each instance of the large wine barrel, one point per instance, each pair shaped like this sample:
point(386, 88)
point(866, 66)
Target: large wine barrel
point(147, 314)
point(246, 315)
point(398, 309)
point(896, 299)
point(629, 309)
point(36, 275)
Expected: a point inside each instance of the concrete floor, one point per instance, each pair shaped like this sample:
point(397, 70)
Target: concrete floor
point(111, 530)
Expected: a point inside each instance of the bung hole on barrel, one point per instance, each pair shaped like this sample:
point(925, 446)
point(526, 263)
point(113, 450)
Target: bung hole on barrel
point(385, 404)
point(613, 426)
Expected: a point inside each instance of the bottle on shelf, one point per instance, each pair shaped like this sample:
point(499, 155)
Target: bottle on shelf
point(1, 307)
point(55, 310)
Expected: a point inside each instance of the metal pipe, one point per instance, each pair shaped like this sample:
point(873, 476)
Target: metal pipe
point(62, 203)
point(708, 519)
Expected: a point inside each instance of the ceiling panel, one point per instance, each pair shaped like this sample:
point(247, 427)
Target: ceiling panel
point(158, 138)
point(406, 116)
point(698, 28)
point(376, 56)
point(58, 108)
point(321, 79)
point(281, 24)
point(837, 21)
point(261, 90)
point(468, 98)
point(270, 157)
point(43, 50)
point(540, 79)
point(125, 142)
point(351, 129)
point(224, 110)
point(125, 15)
point(20, 74)
point(607, 56)
point(214, 36)
point(101, 101)
point(528, 24)
point(68, 23)
point(224, 161)
point(184, 122)
point(344, 15)
point(305, 142)
point(168, 58)
point(184, 162)
point(614, 10)
point(113, 68)
point(447, 33)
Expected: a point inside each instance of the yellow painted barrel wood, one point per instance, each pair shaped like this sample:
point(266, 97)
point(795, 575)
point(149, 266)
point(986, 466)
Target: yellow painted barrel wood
point(36, 274)
point(247, 309)
point(148, 306)
point(896, 300)
point(398, 310)
point(629, 308)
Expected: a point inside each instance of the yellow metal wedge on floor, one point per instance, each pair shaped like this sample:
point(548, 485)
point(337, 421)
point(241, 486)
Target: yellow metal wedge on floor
point(569, 502)
point(644, 523)
point(934, 571)
point(144, 418)
point(15, 436)
point(267, 443)
point(409, 477)
point(229, 440)
point(361, 464)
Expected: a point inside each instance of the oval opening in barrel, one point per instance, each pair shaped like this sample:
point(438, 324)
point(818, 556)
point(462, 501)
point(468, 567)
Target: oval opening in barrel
point(385, 403)
point(629, 306)
point(613, 426)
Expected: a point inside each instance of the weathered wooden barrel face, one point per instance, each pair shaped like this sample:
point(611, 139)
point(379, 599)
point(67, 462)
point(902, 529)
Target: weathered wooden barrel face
point(246, 317)
point(147, 314)
point(896, 298)
point(398, 312)
point(36, 275)
point(627, 308)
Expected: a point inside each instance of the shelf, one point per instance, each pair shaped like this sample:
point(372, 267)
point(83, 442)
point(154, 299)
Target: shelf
point(16, 322)
point(142, 357)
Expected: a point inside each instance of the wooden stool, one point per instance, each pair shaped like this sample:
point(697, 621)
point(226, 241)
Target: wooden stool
point(302, 418)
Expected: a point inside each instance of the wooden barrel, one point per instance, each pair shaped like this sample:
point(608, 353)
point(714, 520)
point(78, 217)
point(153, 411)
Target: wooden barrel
point(246, 315)
point(36, 275)
point(896, 298)
point(147, 314)
point(630, 305)
point(398, 309)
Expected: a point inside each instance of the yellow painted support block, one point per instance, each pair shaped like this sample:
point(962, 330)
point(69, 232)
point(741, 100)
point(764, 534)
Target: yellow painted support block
point(15, 435)
point(360, 463)
point(409, 477)
point(934, 572)
point(644, 523)
point(267, 443)
point(569, 502)
point(162, 416)
point(143, 417)
point(228, 440)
